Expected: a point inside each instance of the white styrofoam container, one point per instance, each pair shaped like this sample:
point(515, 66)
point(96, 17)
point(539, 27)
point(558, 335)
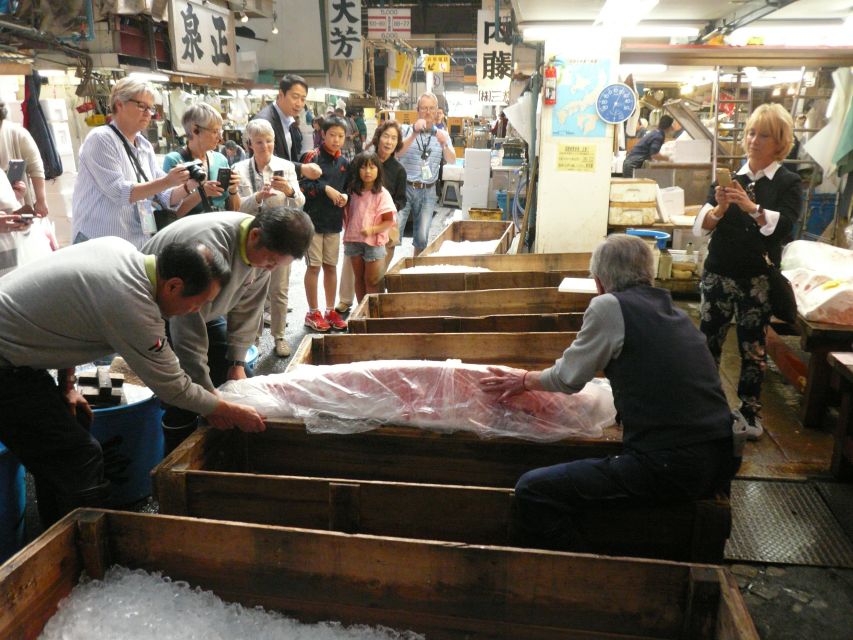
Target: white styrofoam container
point(62, 138)
point(692, 151)
point(632, 190)
point(55, 109)
point(626, 213)
point(672, 199)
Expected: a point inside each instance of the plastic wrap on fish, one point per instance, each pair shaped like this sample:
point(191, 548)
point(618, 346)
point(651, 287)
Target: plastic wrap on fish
point(442, 396)
point(822, 278)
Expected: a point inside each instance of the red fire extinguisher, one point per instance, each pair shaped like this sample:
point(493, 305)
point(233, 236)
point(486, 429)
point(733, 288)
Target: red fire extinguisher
point(550, 88)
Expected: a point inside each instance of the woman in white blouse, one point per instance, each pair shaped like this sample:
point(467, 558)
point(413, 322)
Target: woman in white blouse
point(267, 180)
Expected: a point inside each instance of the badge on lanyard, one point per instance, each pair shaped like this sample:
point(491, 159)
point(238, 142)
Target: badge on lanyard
point(145, 210)
point(426, 172)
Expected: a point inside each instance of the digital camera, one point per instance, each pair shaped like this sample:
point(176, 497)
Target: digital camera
point(196, 170)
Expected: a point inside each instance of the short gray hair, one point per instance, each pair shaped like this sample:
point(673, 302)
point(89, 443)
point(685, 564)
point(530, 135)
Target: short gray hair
point(258, 127)
point(622, 262)
point(201, 115)
point(429, 95)
point(127, 89)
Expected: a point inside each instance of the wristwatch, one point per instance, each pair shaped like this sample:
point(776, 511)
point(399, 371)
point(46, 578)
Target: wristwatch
point(236, 363)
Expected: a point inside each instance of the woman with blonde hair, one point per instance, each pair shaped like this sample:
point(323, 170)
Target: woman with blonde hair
point(748, 219)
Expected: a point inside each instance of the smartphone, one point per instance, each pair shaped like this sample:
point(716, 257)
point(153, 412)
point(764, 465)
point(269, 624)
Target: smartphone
point(16, 169)
point(223, 177)
point(278, 172)
point(724, 177)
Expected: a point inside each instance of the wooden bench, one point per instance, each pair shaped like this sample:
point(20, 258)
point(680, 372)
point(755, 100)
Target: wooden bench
point(506, 272)
point(489, 310)
point(445, 591)
point(819, 339)
point(842, 452)
point(402, 482)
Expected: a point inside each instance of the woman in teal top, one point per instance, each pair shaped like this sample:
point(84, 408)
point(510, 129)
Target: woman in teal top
point(203, 127)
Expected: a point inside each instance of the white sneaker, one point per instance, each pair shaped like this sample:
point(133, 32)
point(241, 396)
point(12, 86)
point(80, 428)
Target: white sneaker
point(754, 428)
point(282, 349)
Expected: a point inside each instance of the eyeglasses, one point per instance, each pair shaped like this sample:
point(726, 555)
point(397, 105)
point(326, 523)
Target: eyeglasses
point(143, 106)
point(216, 132)
point(430, 109)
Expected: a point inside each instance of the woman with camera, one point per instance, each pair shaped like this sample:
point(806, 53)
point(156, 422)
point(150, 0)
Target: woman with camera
point(119, 177)
point(269, 181)
point(203, 128)
point(749, 216)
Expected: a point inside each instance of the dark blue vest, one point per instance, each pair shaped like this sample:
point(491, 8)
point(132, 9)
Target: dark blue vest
point(665, 383)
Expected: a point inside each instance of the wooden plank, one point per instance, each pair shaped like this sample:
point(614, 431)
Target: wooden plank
point(91, 541)
point(344, 507)
point(535, 323)
point(524, 350)
point(703, 603)
point(34, 581)
point(443, 590)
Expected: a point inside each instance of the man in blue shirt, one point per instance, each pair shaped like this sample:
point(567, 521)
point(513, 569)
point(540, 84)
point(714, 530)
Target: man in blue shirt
point(648, 148)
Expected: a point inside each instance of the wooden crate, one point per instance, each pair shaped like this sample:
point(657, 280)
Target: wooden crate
point(474, 231)
point(443, 590)
point(507, 272)
point(405, 483)
point(537, 309)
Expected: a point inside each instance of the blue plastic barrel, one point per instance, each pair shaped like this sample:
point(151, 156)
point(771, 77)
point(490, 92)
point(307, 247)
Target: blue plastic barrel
point(660, 237)
point(13, 502)
point(132, 440)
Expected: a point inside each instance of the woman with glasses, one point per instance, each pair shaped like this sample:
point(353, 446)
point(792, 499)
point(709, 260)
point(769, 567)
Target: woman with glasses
point(203, 126)
point(748, 220)
point(119, 176)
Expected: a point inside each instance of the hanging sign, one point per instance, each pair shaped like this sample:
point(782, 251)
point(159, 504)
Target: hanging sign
point(389, 24)
point(494, 59)
point(437, 64)
point(202, 38)
point(344, 29)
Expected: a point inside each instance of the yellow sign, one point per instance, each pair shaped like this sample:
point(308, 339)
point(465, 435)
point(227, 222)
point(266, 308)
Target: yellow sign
point(437, 64)
point(576, 157)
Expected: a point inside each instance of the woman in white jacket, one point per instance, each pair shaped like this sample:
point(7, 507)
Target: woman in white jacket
point(267, 181)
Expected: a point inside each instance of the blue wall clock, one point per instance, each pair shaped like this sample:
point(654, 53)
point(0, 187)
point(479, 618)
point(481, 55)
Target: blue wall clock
point(616, 103)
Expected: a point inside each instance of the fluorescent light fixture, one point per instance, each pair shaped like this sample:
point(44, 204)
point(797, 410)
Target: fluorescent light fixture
point(540, 32)
point(624, 13)
point(660, 31)
point(274, 28)
point(148, 77)
point(51, 73)
point(244, 18)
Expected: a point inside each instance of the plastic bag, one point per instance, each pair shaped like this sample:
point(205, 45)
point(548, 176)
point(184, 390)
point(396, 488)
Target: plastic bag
point(35, 242)
point(434, 395)
point(822, 278)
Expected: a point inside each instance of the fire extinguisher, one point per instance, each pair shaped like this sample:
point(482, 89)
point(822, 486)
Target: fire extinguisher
point(549, 95)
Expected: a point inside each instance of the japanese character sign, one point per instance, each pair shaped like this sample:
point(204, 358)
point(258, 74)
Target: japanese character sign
point(344, 29)
point(202, 38)
point(494, 59)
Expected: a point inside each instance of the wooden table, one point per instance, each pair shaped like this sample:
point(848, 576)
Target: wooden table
point(842, 452)
point(819, 339)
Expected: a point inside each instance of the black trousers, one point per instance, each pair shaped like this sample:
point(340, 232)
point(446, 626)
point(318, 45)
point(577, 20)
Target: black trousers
point(548, 499)
point(63, 457)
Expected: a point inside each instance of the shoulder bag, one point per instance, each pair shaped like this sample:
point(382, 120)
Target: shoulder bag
point(783, 302)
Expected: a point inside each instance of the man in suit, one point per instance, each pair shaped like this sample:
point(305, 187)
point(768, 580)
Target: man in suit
point(282, 114)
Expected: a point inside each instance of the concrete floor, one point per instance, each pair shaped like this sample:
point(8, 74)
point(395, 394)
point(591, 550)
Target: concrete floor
point(786, 602)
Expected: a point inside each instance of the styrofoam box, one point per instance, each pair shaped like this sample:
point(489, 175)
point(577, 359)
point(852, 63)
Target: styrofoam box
point(639, 213)
point(632, 190)
point(55, 109)
point(673, 200)
point(692, 151)
point(62, 137)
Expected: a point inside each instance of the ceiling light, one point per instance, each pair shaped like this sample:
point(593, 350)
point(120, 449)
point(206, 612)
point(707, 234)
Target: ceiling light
point(624, 13)
point(274, 28)
point(274, 22)
point(777, 92)
point(243, 17)
point(50, 73)
point(143, 76)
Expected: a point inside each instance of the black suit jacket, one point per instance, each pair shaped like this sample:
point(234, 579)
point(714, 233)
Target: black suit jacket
point(270, 114)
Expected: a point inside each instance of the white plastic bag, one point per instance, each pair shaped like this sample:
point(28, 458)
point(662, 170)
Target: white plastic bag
point(35, 242)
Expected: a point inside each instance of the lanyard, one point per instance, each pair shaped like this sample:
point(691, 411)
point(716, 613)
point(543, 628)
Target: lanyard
point(134, 161)
point(425, 150)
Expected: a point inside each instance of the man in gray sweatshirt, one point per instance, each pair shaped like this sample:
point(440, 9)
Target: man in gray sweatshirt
point(77, 305)
point(212, 343)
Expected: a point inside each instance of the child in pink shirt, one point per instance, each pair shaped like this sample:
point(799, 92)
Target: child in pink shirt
point(368, 216)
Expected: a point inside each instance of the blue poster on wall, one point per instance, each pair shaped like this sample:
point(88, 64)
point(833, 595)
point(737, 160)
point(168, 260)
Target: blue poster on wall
point(578, 84)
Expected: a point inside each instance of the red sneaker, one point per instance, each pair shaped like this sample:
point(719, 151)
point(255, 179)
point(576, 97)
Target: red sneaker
point(333, 318)
point(315, 320)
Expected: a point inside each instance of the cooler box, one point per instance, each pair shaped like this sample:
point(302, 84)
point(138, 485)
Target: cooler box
point(632, 201)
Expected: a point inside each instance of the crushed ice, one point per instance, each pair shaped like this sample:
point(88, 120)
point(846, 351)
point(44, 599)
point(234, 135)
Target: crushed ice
point(137, 605)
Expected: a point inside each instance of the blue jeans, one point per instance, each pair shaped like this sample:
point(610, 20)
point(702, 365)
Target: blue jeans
point(420, 203)
point(547, 500)
point(368, 252)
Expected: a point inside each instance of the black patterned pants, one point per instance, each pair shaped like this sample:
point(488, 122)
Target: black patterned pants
point(747, 301)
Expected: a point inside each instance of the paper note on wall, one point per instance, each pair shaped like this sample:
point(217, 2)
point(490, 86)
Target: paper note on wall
point(576, 157)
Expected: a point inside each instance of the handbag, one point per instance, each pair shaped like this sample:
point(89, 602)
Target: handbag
point(783, 302)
